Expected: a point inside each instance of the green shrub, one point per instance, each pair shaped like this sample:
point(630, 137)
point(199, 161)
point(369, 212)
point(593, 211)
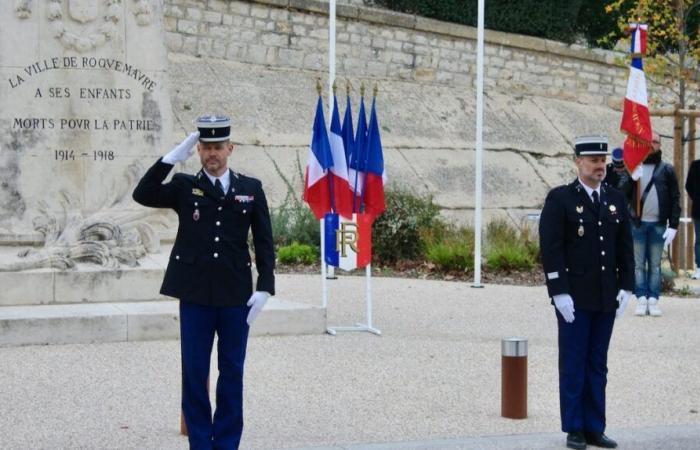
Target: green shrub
point(396, 234)
point(450, 248)
point(294, 222)
point(297, 253)
point(509, 248)
point(552, 19)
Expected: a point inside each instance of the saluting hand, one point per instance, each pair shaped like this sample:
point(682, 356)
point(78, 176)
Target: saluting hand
point(623, 297)
point(257, 303)
point(565, 305)
point(183, 151)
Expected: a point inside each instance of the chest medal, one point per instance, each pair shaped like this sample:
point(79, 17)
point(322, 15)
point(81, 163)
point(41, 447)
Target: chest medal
point(580, 230)
point(195, 215)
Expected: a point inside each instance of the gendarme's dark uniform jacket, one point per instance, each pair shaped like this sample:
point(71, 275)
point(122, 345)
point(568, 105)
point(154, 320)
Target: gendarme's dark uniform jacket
point(210, 262)
point(585, 255)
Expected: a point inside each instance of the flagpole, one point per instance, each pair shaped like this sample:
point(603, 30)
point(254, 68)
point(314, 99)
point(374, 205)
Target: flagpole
point(479, 143)
point(331, 95)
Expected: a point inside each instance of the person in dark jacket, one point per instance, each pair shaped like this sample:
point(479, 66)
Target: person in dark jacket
point(656, 226)
point(587, 258)
point(210, 273)
point(692, 187)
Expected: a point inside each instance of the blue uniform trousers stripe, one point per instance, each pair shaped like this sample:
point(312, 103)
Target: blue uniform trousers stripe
point(198, 325)
point(583, 357)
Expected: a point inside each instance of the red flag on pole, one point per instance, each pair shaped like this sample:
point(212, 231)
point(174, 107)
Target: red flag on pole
point(636, 121)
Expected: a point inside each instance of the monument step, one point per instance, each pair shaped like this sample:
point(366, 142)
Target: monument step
point(136, 321)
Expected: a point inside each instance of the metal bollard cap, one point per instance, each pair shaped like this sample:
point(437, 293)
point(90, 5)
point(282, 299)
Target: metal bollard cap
point(514, 346)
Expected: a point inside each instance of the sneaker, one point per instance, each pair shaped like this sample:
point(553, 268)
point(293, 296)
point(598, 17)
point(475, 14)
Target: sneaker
point(696, 275)
point(642, 307)
point(654, 309)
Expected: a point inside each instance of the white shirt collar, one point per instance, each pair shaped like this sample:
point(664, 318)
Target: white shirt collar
point(225, 179)
point(589, 190)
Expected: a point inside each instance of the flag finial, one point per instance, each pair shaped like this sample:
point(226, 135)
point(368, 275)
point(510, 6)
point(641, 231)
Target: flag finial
point(362, 89)
point(318, 85)
point(348, 87)
point(376, 89)
point(335, 87)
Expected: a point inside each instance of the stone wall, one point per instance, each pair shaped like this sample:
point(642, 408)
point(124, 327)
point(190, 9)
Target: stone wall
point(378, 43)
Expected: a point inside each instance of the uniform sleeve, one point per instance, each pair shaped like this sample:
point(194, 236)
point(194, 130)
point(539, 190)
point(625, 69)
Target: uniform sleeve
point(552, 228)
point(263, 243)
point(151, 191)
point(625, 252)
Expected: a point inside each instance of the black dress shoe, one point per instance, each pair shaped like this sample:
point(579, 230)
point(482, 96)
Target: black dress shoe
point(576, 440)
point(600, 440)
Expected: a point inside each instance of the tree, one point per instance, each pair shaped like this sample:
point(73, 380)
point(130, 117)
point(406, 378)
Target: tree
point(673, 41)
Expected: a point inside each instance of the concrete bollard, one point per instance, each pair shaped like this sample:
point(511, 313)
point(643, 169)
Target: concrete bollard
point(514, 378)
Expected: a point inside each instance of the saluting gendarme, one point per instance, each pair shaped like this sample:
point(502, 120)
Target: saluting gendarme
point(210, 273)
point(586, 245)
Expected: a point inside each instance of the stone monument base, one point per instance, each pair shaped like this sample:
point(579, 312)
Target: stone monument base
point(94, 304)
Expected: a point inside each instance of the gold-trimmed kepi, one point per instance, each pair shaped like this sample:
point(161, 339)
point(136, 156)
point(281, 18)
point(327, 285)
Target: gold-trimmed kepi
point(591, 145)
point(213, 128)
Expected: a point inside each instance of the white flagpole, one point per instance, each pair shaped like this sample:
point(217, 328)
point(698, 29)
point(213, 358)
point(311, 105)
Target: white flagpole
point(324, 283)
point(331, 93)
point(479, 143)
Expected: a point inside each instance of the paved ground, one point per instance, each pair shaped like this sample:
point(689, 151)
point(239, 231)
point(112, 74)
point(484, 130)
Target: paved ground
point(432, 380)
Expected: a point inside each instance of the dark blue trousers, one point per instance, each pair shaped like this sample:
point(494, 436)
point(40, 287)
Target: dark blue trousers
point(583, 369)
point(198, 324)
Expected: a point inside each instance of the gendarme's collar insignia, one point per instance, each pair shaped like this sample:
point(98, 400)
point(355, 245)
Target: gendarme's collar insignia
point(213, 128)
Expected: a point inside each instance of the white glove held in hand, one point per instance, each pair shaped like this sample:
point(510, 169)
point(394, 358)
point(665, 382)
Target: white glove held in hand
point(622, 298)
point(257, 303)
point(182, 151)
point(565, 305)
point(669, 235)
point(637, 173)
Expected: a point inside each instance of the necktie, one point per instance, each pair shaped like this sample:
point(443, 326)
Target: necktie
point(596, 202)
point(219, 186)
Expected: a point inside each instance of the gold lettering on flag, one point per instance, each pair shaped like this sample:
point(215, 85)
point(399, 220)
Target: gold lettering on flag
point(346, 235)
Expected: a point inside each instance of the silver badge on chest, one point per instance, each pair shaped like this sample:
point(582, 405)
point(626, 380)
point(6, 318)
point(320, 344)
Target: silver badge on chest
point(580, 230)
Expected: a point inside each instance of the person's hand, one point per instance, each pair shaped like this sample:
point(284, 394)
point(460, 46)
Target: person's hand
point(637, 173)
point(565, 305)
point(257, 303)
point(623, 297)
point(668, 236)
point(183, 151)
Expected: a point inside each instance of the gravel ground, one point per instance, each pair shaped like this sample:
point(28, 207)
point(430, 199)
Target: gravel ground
point(433, 374)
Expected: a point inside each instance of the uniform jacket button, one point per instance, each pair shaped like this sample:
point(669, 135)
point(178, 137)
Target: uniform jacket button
point(177, 256)
point(219, 223)
point(216, 239)
point(220, 208)
point(216, 255)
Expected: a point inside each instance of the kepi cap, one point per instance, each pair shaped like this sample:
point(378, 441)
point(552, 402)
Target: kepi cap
point(591, 145)
point(213, 128)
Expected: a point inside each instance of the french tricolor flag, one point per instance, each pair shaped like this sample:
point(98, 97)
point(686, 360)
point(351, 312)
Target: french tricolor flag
point(348, 242)
point(375, 175)
point(316, 181)
point(342, 194)
point(636, 121)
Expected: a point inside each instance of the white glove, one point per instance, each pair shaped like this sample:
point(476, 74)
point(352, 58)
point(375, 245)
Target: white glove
point(257, 303)
point(637, 173)
point(182, 151)
point(622, 298)
point(669, 235)
point(565, 305)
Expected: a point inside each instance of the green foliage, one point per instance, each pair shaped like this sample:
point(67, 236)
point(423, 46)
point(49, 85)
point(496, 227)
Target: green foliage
point(396, 233)
point(450, 248)
point(293, 221)
point(552, 19)
point(509, 248)
point(297, 253)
